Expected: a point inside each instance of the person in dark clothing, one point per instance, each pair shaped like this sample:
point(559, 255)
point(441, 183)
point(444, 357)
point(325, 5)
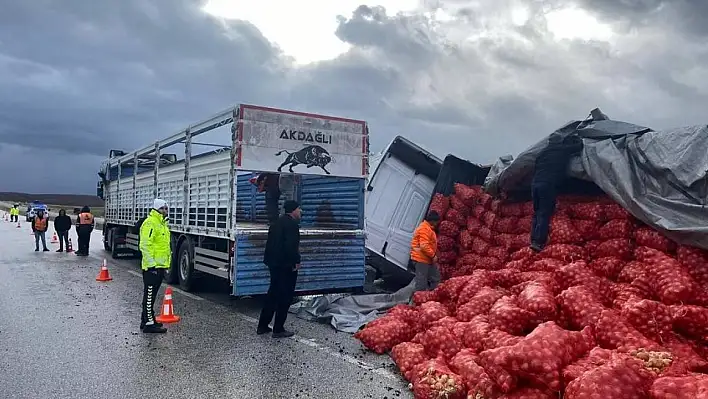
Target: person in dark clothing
point(62, 225)
point(550, 170)
point(269, 182)
point(282, 256)
point(84, 227)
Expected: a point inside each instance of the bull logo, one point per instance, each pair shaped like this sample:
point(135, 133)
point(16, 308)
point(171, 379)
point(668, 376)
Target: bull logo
point(312, 155)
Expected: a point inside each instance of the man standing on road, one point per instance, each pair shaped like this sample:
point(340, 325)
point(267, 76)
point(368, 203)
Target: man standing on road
point(15, 213)
point(282, 256)
point(84, 227)
point(424, 248)
point(39, 227)
point(62, 225)
point(157, 255)
point(270, 183)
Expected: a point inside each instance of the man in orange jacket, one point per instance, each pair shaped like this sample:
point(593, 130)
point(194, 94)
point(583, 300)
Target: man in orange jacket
point(424, 248)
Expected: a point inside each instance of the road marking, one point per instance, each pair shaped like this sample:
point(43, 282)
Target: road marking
point(175, 289)
point(312, 343)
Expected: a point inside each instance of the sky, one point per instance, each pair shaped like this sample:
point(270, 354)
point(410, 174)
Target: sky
point(475, 78)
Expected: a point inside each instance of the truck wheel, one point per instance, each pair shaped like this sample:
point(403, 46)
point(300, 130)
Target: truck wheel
point(106, 239)
point(114, 251)
point(185, 265)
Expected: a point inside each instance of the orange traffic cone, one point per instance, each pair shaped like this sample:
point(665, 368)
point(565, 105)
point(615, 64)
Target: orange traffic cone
point(69, 248)
point(55, 239)
point(18, 225)
point(168, 314)
point(103, 274)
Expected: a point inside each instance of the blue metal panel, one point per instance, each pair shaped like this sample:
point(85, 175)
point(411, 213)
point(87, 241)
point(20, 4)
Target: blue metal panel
point(332, 202)
point(330, 262)
point(244, 198)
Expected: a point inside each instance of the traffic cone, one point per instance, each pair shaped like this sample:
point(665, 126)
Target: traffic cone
point(18, 225)
point(168, 313)
point(69, 248)
point(55, 239)
point(103, 275)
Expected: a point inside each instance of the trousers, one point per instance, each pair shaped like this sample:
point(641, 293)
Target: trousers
point(84, 233)
point(63, 239)
point(152, 280)
point(279, 298)
point(544, 204)
point(14, 218)
point(427, 277)
point(40, 235)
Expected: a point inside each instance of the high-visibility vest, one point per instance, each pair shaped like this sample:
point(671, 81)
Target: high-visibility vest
point(40, 224)
point(85, 218)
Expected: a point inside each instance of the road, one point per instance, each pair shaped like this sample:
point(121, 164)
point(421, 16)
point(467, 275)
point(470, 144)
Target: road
point(64, 335)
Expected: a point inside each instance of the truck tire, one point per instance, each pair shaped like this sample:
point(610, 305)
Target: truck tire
point(106, 237)
point(172, 274)
point(114, 251)
point(185, 265)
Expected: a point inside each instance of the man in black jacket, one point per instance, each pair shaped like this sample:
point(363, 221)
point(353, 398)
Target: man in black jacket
point(282, 256)
point(550, 171)
point(270, 183)
point(62, 225)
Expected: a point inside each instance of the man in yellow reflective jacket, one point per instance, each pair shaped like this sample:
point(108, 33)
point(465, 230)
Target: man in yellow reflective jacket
point(157, 255)
point(14, 213)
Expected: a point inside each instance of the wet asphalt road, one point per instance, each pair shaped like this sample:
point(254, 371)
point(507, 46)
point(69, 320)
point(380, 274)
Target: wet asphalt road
point(64, 335)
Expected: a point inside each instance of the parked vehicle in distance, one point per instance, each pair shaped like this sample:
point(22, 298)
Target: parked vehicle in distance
point(32, 209)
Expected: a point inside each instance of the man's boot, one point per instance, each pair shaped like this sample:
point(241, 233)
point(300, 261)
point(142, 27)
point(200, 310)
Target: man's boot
point(154, 329)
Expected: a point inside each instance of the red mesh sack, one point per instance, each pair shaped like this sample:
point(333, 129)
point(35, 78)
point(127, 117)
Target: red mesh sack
point(447, 322)
point(409, 315)
point(485, 233)
point(509, 225)
point(621, 377)
point(465, 239)
point(459, 330)
point(479, 304)
point(468, 259)
point(646, 254)
point(691, 320)
point(524, 254)
point(446, 270)
point(562, 231)
point(504, 381)
point(695, 261)
point(467, 194)
point(507, 277)
point(615, 211)
point(476, 379)
point(455, 216)
point(448, 228)
point(497, 338)
point(439, 204)
point(489, 219)
point(432, 311)
point(530, 393)
point(587, 228)
point(384, 335)
point(693, 386)
point(507, 316)
point(494, 206)
point(631, 271)
point(421, 297)
point(673, 284)
point(597, 357)
point(612, 331)
point(479, 279)
point(542, 355)
point(498, 252)
point(473, 224)
point(546, 278)
point(651, 238)
point(587, 211)
point(489, 263)
point(577, 274)
point(446, 243)
point(485, 200)
point(461, 207)
point(564, 252)
point(623, 292)
point(449, 290)
point(545, 265)
point(652, 319)
point(539, 300)
point(407, 355)
point(616, 247)
point(512, 209)
point(447, 256)
point(476, 333)
point(479, 246)
point(684, 356)
point(607, 267)
point(618, 228)
point(440, 342)
point(579, 307)
point(478, 211)
point(516, 265)
point(432, 379)
point(525, 225)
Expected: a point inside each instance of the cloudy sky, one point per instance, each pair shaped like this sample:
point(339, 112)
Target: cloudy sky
point(477, 78)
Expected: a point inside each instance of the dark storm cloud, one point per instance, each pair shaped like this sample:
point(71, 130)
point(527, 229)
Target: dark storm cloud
point(78, 78)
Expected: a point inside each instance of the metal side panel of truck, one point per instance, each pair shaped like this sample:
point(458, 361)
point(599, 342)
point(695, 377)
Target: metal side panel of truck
point(397, 198)
point(217, 217)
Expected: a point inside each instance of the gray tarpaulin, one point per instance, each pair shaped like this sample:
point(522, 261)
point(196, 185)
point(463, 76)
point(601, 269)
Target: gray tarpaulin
point(349, 312)
point(660, 177)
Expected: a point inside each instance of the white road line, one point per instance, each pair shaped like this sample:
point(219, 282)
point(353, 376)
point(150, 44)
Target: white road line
point(304, 341)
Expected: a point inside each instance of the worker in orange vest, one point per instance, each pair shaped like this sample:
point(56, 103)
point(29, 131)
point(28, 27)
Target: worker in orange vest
point(424, 249)
point(84, 227)
point(40, 223)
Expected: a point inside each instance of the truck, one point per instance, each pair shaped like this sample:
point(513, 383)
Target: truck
point(217, 217)
point(398, 197)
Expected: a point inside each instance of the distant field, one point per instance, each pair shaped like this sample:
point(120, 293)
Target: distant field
point(63, 200)
point(96, 211)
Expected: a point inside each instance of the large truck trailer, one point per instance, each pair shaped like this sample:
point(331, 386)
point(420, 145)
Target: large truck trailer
point(217, 216)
